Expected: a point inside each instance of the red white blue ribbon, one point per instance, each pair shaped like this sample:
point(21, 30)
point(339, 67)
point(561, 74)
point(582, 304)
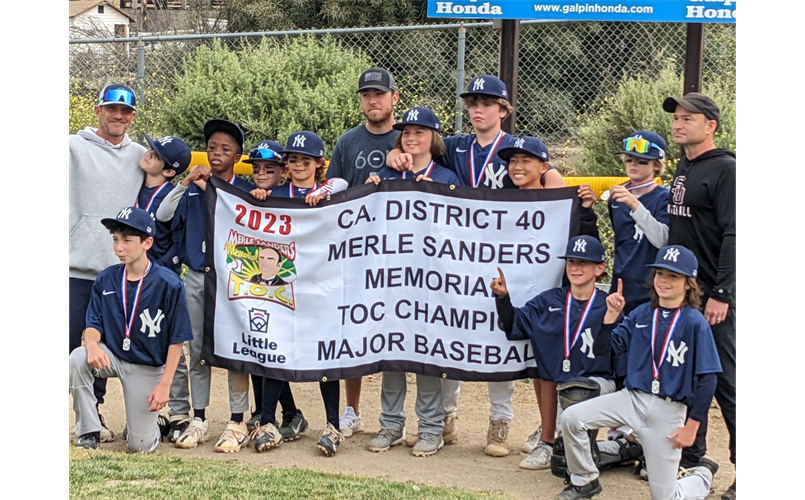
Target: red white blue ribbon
point(489, 155)
point(153, 197)
point(568, 344)
point(135, 302)
point(655, 368)
point(427, 170)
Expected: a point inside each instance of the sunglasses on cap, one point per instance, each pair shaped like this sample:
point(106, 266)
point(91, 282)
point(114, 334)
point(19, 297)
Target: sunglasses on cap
point(638, 145)
point(265, 155)
point(118, 96)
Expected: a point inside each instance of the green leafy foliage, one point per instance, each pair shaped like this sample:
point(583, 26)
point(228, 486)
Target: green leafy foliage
point(270, 89)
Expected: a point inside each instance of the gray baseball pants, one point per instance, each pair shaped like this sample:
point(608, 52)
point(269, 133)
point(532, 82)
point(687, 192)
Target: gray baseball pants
point(499, 396)
point(429, 404)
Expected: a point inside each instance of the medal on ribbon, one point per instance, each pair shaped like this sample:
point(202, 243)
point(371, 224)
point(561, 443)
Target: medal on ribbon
point(655, 367)
point(568, 344)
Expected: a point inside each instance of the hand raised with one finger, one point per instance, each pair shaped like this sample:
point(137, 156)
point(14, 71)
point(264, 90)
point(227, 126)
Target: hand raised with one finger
point(498, 285)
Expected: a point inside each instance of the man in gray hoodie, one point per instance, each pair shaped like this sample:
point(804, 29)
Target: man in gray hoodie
point(104, 178)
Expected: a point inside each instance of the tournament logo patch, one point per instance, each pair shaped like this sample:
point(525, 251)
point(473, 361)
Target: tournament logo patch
point(260, 269)
point(258, 320)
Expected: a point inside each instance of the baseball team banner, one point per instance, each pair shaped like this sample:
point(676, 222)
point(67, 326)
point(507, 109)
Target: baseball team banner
point(392, 277)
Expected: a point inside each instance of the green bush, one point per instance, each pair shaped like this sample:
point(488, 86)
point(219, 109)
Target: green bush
point(637, 105)
point(270, 89)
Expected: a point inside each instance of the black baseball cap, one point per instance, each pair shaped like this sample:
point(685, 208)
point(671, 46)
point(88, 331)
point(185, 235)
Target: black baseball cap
point(133, 217)
point(117, 93)
point(227, 127)
point(377, 78)
point(695, 103)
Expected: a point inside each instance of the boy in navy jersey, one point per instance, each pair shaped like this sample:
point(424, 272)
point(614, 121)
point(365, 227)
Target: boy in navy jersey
point(187, 207)
point(136, 323)
point(167, 158)
point(672, 364)
point(421, 138)
point(564, 326)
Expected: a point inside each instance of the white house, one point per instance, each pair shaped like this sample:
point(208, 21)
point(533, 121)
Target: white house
point(93, 18)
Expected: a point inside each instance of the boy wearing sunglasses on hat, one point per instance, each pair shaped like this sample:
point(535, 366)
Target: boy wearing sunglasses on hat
point(136, 324)
point(104, 177)
point(187, 207)
point(168, 157)
point(268, 168)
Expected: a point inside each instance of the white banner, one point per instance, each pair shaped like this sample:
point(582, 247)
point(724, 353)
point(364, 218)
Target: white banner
point(392, 277)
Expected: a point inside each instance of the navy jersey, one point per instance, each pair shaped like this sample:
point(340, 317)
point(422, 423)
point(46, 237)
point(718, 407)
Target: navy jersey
point(288, 190)
point(633, 251)
point(438, 174)
point(165, 250)
point(457, 158)
point(191, 217)
point(542, 319)
point(160, 318)
point(691, 350)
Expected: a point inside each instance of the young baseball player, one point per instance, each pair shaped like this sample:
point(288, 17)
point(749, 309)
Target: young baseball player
point(136, 321)
point(168, 157)
point(672, 365)
point(564, 326)
point(304, 159)
point(421, 138)
point(639, 213)
point(187, 207)
point(527, 162)
point(472, 157)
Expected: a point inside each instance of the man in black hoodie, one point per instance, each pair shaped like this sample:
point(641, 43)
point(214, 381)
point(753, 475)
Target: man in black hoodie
point(702, 218)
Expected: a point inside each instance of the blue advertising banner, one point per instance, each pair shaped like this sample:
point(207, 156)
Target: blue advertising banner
point(674, 11)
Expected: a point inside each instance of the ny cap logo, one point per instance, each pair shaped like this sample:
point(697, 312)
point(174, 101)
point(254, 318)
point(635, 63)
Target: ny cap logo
point(165, 140)
point(580, 246)
point(413, 115)
point(676, 355)
point(478, 84)
point(124, 214)
point(299, 141)
point(587, 343)
point(671, 254)
point(519, 143)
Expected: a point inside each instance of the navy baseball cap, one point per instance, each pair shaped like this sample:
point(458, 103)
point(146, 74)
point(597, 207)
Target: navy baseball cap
point(695, 103)
point(678, 259)
point(645, 144)
point(423, 117)
point(172, 150)
point(525, 145)
point(117, 93)
point(227, 127)
point(377, 78)
point(305, 142)
point(266, 150)
point(585, 248)
point(135, 218)
point(487, 85)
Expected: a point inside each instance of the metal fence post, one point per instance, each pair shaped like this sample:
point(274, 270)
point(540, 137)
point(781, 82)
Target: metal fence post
point(140, 71)
point(462, 38)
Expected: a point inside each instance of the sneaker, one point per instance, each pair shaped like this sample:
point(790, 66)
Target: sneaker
point(730, 493)
point(253, 422)
point(350, 422)
point(386, 438)
point(162, 423)
point(573, 492)
point(539, 458)
point(709, 463)
point(496, 436)
point(107, 436)
point(427, 445)
point(532, 441)
point(293, 425)
point(329, 440)
point(234, 437)
point(178, 424)
point(89, 441)
point(195, 434)
point(450, 432)
point(266, 437)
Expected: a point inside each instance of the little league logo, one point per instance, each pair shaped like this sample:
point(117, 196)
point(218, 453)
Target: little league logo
point(262, 270)
point(258, 320)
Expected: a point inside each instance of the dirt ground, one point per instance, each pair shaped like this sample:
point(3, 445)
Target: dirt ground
point(459, 465)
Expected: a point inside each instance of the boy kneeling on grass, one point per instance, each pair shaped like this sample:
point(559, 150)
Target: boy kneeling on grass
point(136, 324)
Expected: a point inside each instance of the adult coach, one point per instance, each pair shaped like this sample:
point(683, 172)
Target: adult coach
point(358, 153)
point(105, 176)
point(702, 218)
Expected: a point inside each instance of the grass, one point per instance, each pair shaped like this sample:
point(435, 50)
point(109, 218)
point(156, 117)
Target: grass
point(97, 474)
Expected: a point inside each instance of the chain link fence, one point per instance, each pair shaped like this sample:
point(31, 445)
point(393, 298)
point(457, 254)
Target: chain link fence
point(566, 70)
